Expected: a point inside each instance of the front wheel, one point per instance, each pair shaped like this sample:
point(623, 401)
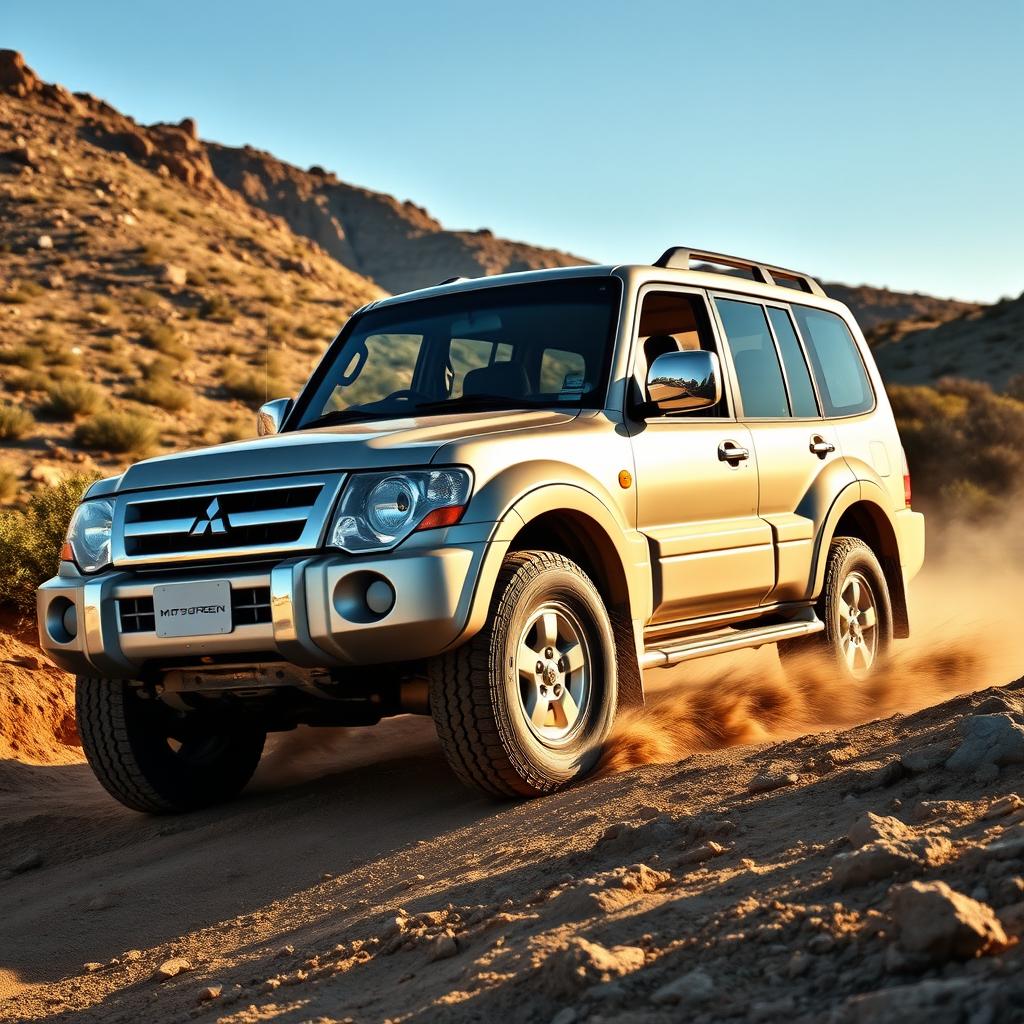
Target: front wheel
point(156, 759)
point(857, 613)
point(523, 707)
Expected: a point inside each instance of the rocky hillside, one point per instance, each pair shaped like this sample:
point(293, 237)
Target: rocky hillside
point(144, 306)
point(398, 245)
point(875, 307)
point(986, 345)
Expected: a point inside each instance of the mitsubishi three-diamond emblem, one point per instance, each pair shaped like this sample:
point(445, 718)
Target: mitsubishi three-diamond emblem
point(213, 522)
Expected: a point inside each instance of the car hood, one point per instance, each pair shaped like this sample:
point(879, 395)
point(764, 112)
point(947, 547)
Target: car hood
point(381, 444)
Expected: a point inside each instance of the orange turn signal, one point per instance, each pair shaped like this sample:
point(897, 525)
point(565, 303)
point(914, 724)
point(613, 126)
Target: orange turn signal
point(66, 554)
point(625, 479)
point(442, 517)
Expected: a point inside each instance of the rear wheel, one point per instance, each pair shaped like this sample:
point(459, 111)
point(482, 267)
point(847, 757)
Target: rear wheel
point(857, 613)
point(523, 707)
point(156, 759)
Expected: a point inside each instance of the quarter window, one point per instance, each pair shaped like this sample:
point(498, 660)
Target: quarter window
point(801, 390)
point(762, 389)
point(838, 368)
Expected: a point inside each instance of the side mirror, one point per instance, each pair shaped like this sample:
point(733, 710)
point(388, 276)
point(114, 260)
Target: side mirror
point(272, 415)
point(684, 381)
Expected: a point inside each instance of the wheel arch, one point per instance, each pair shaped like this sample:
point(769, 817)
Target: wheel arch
point(860, 512)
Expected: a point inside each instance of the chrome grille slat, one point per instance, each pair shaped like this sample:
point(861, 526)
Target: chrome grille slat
point(251, 518)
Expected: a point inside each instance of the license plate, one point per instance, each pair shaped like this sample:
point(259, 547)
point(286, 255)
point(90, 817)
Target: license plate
point(192, 609)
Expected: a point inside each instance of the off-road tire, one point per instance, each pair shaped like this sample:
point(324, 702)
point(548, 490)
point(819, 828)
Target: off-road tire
point(125, 739)
point(847, 556)
point(474, 689)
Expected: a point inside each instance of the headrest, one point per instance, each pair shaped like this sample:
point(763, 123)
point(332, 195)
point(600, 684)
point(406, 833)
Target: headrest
point(505, 379)
point(658, 345)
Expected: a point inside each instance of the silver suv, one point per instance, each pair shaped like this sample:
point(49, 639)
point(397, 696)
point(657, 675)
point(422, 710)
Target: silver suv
point(497, 502)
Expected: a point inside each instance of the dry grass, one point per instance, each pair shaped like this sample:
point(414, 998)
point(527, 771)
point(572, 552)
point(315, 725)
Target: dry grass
point(162, 392)
point(124, 433)
point(15, 422)
point(67, 399)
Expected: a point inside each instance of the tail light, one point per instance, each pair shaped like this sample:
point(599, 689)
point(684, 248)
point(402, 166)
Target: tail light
point(906, 481)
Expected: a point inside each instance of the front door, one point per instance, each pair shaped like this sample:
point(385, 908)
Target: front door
point(696, 480)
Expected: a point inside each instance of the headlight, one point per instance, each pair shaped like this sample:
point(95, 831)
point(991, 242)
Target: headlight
point(89, 534)
point(377, 510)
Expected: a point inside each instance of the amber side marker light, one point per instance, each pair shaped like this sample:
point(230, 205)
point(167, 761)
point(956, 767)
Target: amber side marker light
point(625, 479)
point(907, 490)
point(66, 554)
point(442, 517)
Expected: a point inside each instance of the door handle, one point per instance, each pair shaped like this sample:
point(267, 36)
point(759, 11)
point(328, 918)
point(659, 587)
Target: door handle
point(731, 452)
point(820, 447)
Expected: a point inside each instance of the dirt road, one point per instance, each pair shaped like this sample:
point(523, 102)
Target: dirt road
point(736, 877)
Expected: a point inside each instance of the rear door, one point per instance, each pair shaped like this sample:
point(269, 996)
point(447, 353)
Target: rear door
point(798, 452)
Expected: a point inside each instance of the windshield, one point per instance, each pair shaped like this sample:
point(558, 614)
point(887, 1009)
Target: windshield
point(542, 345)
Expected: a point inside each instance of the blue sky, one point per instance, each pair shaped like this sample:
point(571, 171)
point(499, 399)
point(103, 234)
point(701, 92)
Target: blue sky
point(876, 142)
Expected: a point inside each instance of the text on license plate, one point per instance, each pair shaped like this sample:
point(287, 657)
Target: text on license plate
point(192, 609)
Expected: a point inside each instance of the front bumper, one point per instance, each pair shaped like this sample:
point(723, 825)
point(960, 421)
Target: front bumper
point(314, 620)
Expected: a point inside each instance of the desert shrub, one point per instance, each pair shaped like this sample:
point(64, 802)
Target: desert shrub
point(195, 277)
point(28, 356)
point(309, 331)
point(147, 299)
point(10, 484)
point(103, 305)
point(21, 292)
point(162, 392)
point(964, 444)
point(154, 253)
point(159, 368)
point(31, 539)
point(218, 308)
point(67, 399)
point(119, 432)
point(15, 422)
point(248, 383)
point(166, 340)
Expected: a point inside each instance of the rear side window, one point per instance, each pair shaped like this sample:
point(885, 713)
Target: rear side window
point(838, 368)
point(801, 390)
point(757, 362)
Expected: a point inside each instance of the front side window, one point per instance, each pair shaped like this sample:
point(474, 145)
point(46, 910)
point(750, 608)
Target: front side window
point(673, 322)
point(542, 345)
point(758, 373)
point(838, 368)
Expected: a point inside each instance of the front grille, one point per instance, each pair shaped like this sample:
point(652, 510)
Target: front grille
point(136, 614)
point(249, 607)
point(240, 519)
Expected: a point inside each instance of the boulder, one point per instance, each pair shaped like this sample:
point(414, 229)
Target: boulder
point(943, 924)
point(172, 968)
point(876, 826)
point(581, 964)
point(16, 76)
point(987, 739)
point(689, 989)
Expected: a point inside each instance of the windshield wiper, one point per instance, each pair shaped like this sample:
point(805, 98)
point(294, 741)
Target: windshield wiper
point(349, 416)
point(482, 402)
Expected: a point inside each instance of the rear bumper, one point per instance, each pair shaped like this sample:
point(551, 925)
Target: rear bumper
point(315, 616)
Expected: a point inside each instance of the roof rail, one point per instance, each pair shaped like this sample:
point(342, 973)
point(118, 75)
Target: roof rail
point(450, 280)
point(679, 257)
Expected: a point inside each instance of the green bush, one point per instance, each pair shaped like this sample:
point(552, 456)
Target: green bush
point(31, 539)
point(15, 422)
point(70, 398)
point(118, 432)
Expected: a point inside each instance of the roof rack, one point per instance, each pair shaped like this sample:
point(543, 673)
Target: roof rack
point(679, 257)
point(450, 280)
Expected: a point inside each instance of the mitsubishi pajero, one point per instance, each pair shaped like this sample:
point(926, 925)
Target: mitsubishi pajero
point(498, 502)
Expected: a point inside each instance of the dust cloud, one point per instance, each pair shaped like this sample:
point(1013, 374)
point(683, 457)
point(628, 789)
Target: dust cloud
point(965, 635)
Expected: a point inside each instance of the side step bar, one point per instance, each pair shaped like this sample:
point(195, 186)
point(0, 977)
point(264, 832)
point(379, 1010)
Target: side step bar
point(735, 640)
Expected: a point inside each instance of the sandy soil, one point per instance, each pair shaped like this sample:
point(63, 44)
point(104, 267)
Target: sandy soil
point(355, 878)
